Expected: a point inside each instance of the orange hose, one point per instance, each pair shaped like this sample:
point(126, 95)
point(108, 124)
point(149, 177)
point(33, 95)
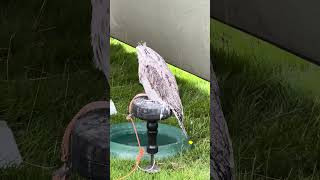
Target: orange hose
point(141, 150)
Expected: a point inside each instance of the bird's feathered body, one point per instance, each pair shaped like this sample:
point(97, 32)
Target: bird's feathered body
point(100, 34)
point(158, 82)
point(221, 156)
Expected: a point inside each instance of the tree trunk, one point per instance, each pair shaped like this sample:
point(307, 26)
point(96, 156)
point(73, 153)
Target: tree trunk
point(221, 156)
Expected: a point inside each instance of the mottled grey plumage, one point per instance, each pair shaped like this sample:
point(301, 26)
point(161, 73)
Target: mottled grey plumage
point(100, 34)
point(158, 82)
point(221, 156)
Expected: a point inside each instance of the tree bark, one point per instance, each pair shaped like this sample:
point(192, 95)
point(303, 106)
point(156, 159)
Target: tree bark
point(221, 156)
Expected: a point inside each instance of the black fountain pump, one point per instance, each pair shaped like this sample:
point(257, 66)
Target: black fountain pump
point(151, 112)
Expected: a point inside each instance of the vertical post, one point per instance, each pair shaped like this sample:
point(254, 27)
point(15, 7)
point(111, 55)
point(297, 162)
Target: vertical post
point(152, 127)
point(152, 147)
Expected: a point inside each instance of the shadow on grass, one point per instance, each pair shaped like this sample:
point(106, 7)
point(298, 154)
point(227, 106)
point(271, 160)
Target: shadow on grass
point(274, 128)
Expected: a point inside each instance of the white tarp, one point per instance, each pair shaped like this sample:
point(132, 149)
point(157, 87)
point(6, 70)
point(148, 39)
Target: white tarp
point(113, 109)
point(178, 30)
point(9, 152)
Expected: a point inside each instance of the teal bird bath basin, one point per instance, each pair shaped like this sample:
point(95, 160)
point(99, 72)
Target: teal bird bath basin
point(123, 142)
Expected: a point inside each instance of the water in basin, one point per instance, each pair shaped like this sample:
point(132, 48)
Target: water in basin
point(130, 139)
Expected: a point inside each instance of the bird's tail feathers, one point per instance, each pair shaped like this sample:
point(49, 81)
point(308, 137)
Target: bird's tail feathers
point(180, 121)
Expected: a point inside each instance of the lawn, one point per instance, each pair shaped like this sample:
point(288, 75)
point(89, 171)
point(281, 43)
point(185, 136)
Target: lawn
point(45, 49)
point(271, 102)
point(194, 94)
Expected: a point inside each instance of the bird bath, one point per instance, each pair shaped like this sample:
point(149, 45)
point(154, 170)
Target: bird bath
point(123, 143)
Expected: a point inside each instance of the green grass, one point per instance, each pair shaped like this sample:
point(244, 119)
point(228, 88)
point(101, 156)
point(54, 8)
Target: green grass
point(194, 93)
point(299, 74)
point(38, 113)
point(50, 35)
point(270, 97)
point(51, 76)
point(271, 102)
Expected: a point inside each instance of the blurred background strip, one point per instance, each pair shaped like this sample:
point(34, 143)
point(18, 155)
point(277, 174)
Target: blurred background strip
point(290, 24)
